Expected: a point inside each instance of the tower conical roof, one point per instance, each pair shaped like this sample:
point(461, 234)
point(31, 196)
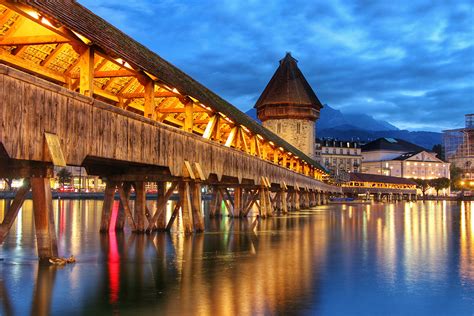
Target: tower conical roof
point(289, 87)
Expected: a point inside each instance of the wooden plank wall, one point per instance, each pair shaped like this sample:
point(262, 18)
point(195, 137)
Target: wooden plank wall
point(87, 127)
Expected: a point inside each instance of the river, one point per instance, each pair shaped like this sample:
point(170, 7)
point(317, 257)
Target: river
point(392, 259)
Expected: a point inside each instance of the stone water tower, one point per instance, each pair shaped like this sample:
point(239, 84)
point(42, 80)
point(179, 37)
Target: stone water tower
point(289, 107)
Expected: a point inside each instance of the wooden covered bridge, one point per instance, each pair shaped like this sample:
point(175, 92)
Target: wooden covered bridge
point(75, 90)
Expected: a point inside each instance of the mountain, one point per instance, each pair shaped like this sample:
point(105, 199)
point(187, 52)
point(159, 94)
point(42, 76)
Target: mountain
point(420, 138)
point(332, 118)
point(336, 124)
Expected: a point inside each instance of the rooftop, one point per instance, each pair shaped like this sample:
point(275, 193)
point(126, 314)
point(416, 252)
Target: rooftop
point(288, 86)
point(392, 144)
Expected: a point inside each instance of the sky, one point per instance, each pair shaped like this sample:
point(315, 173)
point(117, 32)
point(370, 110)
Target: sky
point(408, 62)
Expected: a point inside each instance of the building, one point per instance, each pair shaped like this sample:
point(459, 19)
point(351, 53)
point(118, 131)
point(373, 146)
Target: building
point(458, 146)
point(339, 157)
point(398, 158)
point(289, 107)
point(80, 180)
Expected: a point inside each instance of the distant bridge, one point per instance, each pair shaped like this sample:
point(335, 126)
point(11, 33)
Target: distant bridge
point(380, 187)
point(77, 91)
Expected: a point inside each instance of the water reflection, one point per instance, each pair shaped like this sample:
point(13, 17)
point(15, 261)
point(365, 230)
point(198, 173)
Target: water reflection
point(467, 242)
point(331, 260)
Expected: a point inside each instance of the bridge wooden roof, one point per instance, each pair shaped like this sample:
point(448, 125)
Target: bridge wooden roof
point(115, 43)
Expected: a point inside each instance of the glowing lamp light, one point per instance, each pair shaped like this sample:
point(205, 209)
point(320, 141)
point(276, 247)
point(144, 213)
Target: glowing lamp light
point(46, 22)
point(33, 14)
point(462, 183)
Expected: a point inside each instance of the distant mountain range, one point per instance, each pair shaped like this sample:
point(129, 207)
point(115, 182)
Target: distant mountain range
point(362, 127)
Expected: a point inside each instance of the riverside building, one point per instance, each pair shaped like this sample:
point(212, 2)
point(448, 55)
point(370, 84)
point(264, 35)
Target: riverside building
point(398, 158)
point(339, 157)
point(458, 146)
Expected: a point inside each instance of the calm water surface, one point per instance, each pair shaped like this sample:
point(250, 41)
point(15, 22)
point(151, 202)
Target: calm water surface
point(379, 259)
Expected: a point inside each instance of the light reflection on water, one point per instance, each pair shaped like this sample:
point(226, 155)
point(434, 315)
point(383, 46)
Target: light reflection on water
point(399, 258)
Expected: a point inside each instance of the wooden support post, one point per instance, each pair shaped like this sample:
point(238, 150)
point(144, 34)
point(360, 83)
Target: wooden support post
point(44, 219)
point(228, 202)
point(297, 200)
point(268, 203)
point(213, 203)
point(13, 210)
point(107, 206)
point(161, 207)
point(198, 216)
point(302, 199)
point(121, 215)
point(140, 207)
point(277, 201)
point(149, 103)
point(185, 197)
point(86, 66)
point(174, 214)
point(188, 118)
point(219, 204)
point(124, 198)
point(263, 202)
point(161, 218)
point(237, 202)
point(284, 201)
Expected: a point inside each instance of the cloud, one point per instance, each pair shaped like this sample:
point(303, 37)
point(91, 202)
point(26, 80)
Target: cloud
point(410, 63)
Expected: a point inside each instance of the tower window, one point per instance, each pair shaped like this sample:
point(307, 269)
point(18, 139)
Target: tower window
point(298, 128)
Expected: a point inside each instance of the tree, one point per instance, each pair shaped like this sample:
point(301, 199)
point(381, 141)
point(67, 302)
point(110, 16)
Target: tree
point(439, 184)
point(423, 185)
point(64, 176)
point(455, 175)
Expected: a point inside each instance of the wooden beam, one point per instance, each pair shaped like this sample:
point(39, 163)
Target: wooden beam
point(141, 95)
point(160, 224)
point(60, 30)
point(185, 198)
point(244, 141)
point(161, 206)
point(140, 206)
point(31, 67)
point(181, 124)
point(149, 104)
point(198, 219)
point(128, 213)
point(231, 137)
point(210, 127)
point(86, 66)
point(32, 40)
point(13, 210)
point(44, 219)
point(174, 214)
point(181, 110)
point(110, 74)
point(107, 206)
point(188, 116)
point(124, 209)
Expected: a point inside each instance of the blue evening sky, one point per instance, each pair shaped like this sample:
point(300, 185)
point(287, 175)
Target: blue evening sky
point(408, 62)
